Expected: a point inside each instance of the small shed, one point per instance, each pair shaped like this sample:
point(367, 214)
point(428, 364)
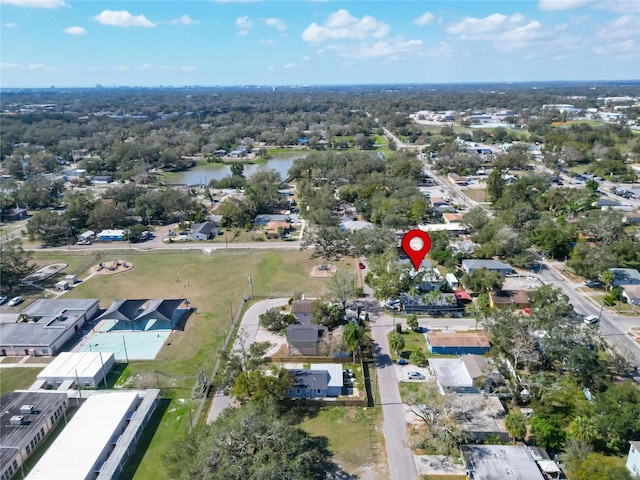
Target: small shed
point(62, 285)
point(71, 279)
point(452, 280)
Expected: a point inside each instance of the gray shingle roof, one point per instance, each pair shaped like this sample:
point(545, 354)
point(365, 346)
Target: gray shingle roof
point(315, 379)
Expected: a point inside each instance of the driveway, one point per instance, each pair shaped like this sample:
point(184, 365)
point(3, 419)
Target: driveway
point(247, 334)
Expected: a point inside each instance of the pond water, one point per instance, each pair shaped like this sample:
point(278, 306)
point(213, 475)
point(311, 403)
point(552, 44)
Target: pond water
point(202, 174)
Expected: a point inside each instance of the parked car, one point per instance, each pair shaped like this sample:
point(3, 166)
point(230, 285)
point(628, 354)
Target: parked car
point(591, 319)
point(415, 376)
point(361, 266)
point(84, 242)
point(402, 361)
point(3, 300)
point(15, 301)
point(593, 283)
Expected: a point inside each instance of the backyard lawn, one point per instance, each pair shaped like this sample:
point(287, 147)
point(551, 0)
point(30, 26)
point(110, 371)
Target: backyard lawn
point(412, 341)
point(477, 194)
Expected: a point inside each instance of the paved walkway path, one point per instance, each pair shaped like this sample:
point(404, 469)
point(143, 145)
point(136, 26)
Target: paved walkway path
point(246, 336)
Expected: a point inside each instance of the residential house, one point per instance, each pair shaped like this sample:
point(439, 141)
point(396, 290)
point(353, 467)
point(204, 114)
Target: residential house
point(263, 219)
point(456, 179)
point(302, 310)
point(304, 339)
point(14, 215)
point(510, 298)
point(632, 294)
point(102, 179)
point(322, 380)
point(625, 276)
point(492, 265)
point(497, 462)
point(204, 231)
point(452, 218)
point(457, 343)
point(452, 228)
point(85, 236)
point(111, 235)
point(274, 229)
point(633, 458)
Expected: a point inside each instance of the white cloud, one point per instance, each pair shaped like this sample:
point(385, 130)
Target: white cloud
point(271, 67)
point(75, 31)
point(290, 65)
point(471, 26)
point(244, 24)
point(342, 25)
point(122, 68)
point(563, 4)
point(267, 41)
point(34, 3)
point(276, 23)
point(33, 66)
point(146, 65)
point(425, 19)
point(306, 58)
point(122, 18)
point(184, 20)
point(10, 25)
point(623, 27)
point(620, 6)
point(187, 69)
point(390, 49)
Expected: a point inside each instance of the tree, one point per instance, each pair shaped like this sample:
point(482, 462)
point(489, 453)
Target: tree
point(495, 184)
point(242, 360)
point(52, 229)
point(237, 170)
point(328, 314)
point(342, 287)
point(396, 342)
point(372, 241)
point(261, 191)
point(607, 277)
point(329, 242)
point(482, 280)
point(547, 432)
point(15, 264)
point(475, 219)
point(597, 466)
point(412, 321)
point(253, 441)
point(257, 385)
point(354, 338)
point(516, 425)
point(583, 428)
point(419, 357)
point(275, 320)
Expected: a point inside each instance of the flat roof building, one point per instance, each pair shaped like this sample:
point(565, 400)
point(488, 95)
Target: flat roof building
point(26, 419)
point(497, 462)
point(88, 368)
point(42, 328)
point(98, 439)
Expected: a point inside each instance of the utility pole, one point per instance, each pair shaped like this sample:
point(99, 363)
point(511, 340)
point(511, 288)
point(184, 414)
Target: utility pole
point(250, 287)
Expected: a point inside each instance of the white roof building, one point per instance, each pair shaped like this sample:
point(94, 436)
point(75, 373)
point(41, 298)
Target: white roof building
point(88, 368)
point(95, 443)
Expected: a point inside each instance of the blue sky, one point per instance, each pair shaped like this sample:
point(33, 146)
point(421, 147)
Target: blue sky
point(208, 42)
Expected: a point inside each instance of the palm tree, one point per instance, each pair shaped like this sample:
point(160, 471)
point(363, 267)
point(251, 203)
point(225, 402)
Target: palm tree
point(583, 428)
point(354, 337)
point(516, 425)
point(607, 277)
point(396, 342)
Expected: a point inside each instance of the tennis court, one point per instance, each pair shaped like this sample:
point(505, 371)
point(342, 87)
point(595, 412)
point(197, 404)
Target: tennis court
point(127, 345)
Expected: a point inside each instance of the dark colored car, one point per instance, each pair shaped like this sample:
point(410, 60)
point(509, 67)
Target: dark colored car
point(361, 266)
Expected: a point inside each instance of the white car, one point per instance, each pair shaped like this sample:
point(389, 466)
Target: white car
point(591, 319)
point(15, 301)
point(415, 376)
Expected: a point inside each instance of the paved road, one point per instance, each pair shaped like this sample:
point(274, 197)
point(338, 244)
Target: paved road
point(246, 336)
point(613, 327)
point(146, 246)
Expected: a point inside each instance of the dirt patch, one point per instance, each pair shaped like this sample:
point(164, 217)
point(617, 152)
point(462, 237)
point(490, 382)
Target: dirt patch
point(112, 267)
point(324, 270)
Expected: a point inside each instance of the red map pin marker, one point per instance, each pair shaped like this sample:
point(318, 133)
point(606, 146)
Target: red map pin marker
point(413, 249)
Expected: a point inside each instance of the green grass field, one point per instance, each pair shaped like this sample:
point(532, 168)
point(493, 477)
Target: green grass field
point(477, 194)
point(17, 378)
point(412, 341)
